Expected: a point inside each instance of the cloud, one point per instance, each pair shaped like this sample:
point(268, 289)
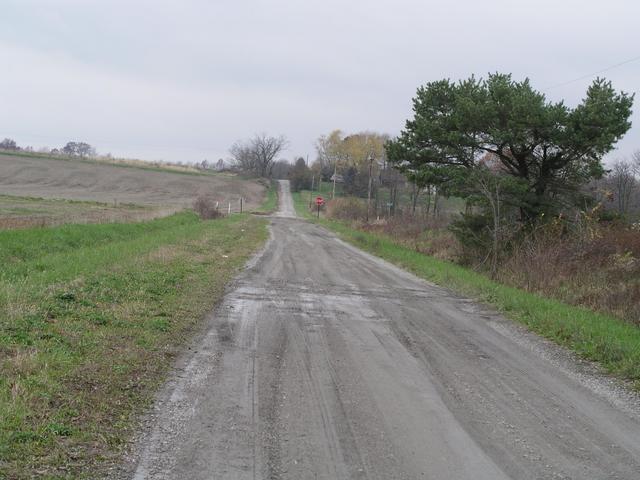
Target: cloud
point(183, 80)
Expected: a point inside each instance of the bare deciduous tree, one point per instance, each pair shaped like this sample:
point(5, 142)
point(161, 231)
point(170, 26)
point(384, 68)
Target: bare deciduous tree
point(636, 162)
point(8, 144)
point(624, 184)
point(257, 155)
point(281, 169)
point(79, 149)
point(243, 156)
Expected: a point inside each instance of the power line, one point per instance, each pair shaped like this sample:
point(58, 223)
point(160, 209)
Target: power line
point(611, 67)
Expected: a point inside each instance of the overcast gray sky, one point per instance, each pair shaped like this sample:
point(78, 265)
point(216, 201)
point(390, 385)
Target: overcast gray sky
point(182, 80)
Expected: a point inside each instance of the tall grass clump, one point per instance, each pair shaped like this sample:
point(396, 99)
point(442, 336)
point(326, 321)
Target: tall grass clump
point(207, 208)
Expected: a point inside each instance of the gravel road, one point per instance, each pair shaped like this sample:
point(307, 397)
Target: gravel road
point(324, 362)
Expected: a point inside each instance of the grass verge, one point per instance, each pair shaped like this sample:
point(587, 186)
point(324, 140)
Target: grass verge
point(270, 204)
point(91, 318)
point(607, 340)
point(26, 212)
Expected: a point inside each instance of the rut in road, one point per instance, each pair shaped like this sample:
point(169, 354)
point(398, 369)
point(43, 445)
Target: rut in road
point(324, 362)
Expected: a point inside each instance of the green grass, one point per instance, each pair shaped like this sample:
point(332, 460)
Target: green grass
point(14, 203)
point(610, 341)
point(21, 212)
point(326, 189)
point(91, 318)
point(270, 204)
point(446, 206)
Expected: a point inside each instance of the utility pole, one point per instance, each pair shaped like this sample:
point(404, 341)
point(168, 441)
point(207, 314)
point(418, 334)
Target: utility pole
point(335, 173)
point(313, 180)
point(369, 191)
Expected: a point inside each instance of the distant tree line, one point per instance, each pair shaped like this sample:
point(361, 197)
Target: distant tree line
point(9, 144)
point(618, 191)
point(71, 149)
point(206, 165)
point(357, 165)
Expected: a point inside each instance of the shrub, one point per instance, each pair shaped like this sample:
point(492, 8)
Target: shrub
point(347, 208)
point(421, 233)
point(300, 176)
point(598, 268)
point(206, 208)
point(473, 231)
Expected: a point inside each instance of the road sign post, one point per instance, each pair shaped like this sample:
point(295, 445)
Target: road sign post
point(319, 203)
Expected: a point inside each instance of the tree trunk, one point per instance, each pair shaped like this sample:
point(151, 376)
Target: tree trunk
point(435, 205)
point(335, 173)
point(496, 232)
point(369, 189)
point(394, 199)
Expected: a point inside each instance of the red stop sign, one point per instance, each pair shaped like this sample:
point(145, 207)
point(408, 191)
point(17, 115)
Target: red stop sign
point(319, 201)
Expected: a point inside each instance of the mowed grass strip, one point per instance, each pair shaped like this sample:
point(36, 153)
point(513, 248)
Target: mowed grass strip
point(91, 317)
point(270, 204)
point(607, 340)
point(28, 212)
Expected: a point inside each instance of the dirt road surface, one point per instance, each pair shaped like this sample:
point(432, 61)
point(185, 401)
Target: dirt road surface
point(326, 363)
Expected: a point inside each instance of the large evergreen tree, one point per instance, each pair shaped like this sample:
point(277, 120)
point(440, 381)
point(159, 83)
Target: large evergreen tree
point(547, 148)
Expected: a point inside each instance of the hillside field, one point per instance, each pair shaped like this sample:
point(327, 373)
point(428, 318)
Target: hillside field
point(116, 184)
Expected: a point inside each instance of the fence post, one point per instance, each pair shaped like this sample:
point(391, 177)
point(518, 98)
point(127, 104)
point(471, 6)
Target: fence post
point(229, 211)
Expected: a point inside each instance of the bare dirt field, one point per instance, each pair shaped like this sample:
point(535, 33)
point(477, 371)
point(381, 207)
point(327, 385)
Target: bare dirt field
point(117, 184)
